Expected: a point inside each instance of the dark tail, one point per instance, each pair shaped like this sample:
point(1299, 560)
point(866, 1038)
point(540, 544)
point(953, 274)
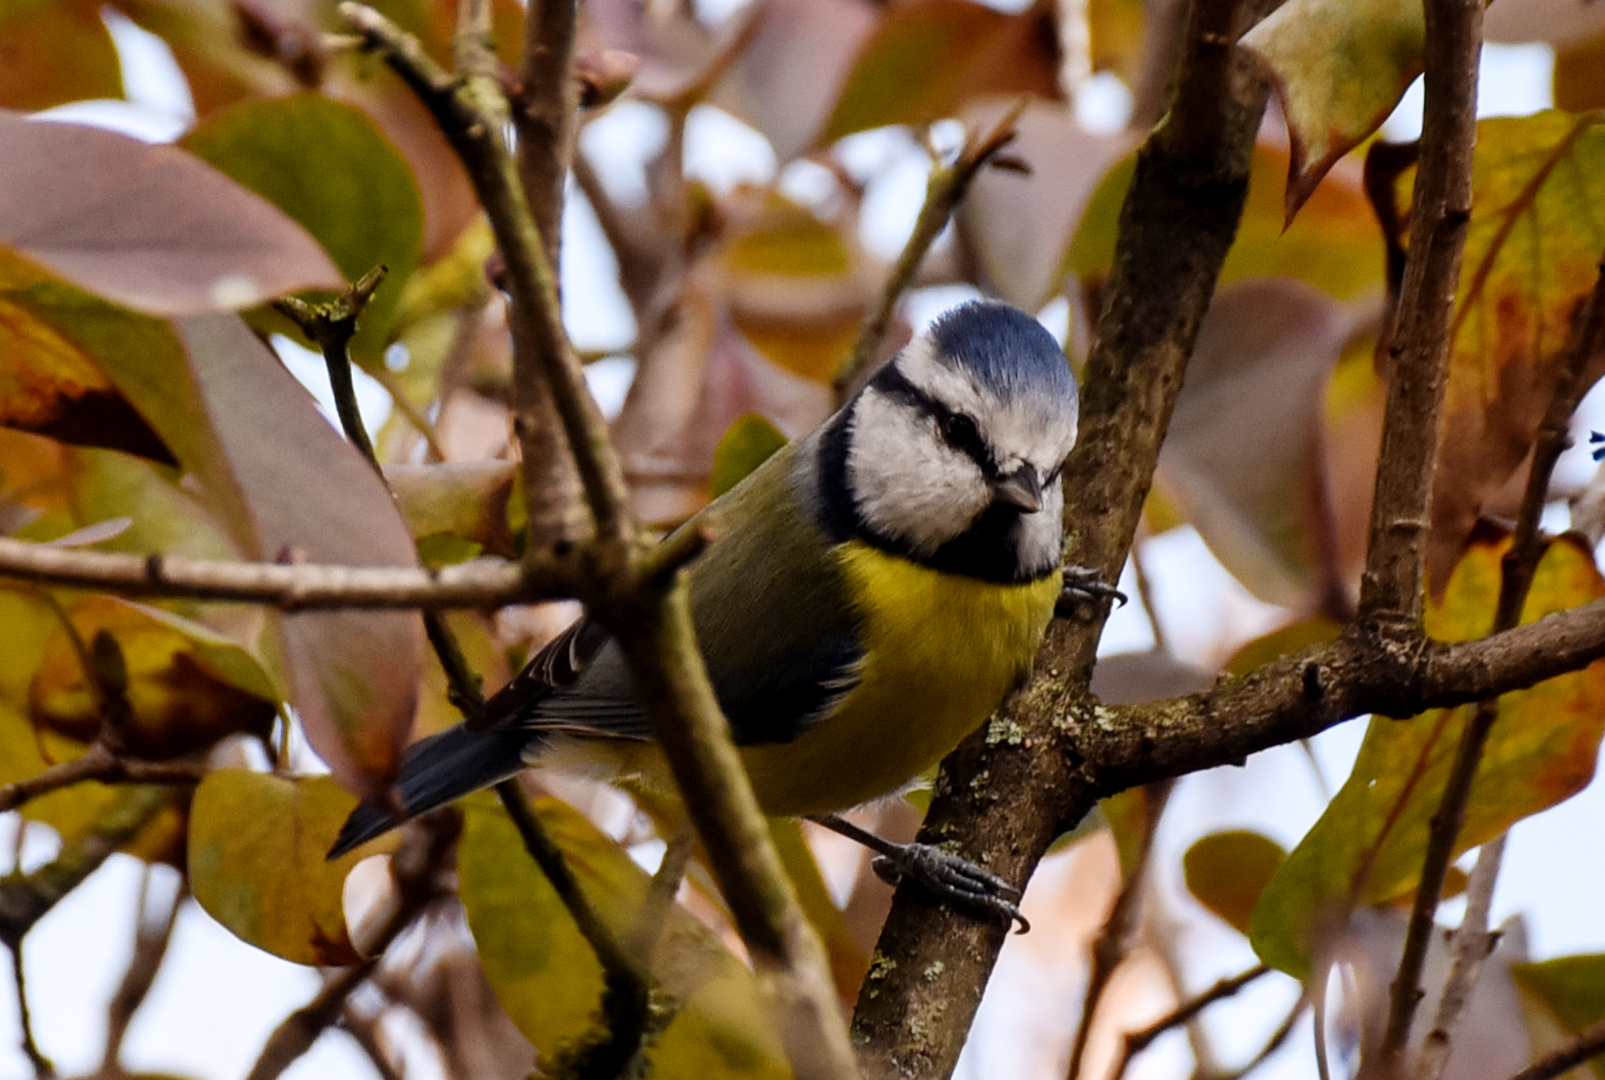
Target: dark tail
point(437, 770)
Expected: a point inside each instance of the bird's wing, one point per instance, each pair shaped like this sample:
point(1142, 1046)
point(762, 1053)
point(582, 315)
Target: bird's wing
point(780, 639)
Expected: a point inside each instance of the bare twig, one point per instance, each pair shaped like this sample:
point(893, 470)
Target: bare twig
point(330, 327)
point(1590, 1043)
point(1472, 943)
point(364, 1030)
point(1137, 1041)
point(1113, 942)
point(1519, 567)
point(1391, 590)
point(473, 113)
point(1273, 1044)
point(151, 938)
point(290, 586)
point(787, 955)
point(1520, 564)
point(946, 188)
point(632, 1014)
point(43, 1067)
point(99, 763)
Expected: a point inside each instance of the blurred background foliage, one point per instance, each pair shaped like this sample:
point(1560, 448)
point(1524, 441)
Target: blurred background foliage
point(745, 174)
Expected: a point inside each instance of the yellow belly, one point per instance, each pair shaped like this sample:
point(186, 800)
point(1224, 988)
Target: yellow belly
point(941, 651)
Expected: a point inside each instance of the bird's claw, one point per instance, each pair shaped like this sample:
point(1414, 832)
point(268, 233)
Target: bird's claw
point(1082, 586)
point(953, 879)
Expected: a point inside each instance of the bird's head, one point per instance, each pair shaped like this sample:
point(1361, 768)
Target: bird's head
point(951, 453)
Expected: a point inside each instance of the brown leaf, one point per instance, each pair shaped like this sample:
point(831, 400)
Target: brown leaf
point(55, 52)
point(1020, 225)
point(1245, 457)
point(149, 227)
point(286, 485)
point(51, 386)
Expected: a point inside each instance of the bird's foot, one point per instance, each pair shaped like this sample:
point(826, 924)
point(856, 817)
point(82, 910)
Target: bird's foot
point(953, 879)
point(1081, 587)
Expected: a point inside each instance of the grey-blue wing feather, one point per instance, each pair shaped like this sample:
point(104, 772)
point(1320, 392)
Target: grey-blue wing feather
point(772, 616)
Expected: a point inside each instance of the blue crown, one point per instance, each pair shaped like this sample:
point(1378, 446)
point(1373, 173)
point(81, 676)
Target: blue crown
point(1004, 347)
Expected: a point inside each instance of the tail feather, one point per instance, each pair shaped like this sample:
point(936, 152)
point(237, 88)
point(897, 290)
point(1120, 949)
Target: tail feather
point(435, 771)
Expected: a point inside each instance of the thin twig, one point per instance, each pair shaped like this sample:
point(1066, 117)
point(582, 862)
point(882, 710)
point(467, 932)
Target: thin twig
point(1136, 1042)
point(1273, 1044)
point(364, 1031)
point(946, 188)
point(1113, 942)
point(631, 1015)
point(473, 113)
point(99, 763)
point(291, 586)
point(1589, 1044)
point(1472, 944)
point(43, 1067)
point(414, 866)
point(1518, 567)
point(151, 938)
point(330, 327)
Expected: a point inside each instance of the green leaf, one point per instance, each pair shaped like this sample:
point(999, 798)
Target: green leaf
point(328, 166)
point(547, 978)
point(1532, 255)
point(747, 445)
point(1227, 872)
point(1572, 990)
point(1339, 68)
point(1368, 845)
point(256, 862)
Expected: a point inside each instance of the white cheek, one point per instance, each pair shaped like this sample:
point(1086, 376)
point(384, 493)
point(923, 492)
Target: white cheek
point(1042, 533)
point(908, 484)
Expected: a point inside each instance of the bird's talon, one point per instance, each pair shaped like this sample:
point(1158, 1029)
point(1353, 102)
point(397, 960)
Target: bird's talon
point(1082, 586)
point(951, 878)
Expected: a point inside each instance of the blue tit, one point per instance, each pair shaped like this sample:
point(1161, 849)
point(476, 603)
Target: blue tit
point(873, 592)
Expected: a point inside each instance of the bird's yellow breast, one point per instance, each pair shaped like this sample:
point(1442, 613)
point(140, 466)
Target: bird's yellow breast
point(940, 652)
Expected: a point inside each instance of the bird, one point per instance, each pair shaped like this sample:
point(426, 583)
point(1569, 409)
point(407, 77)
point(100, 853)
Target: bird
point(874, 590)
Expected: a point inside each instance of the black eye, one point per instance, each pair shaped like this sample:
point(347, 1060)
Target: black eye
point(960, 431)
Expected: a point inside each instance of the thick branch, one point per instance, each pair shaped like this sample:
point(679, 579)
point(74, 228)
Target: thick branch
point(1391, 591)
point(1178, 220)
point(546, 105)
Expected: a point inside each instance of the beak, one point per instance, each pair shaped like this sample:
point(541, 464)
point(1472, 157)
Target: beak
point(1022, 490)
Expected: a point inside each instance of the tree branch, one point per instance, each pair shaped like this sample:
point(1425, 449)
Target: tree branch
point(291, 586)
point(473, 114)
point(99, 763)
point(545, 107)
point(1519, 566)
point(1590, 1043)
point(1391, 590)
point(1136, 1042)
point(1177, 223)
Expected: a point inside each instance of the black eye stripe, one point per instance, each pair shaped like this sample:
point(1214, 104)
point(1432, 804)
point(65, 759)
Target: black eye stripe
point(951, 425)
